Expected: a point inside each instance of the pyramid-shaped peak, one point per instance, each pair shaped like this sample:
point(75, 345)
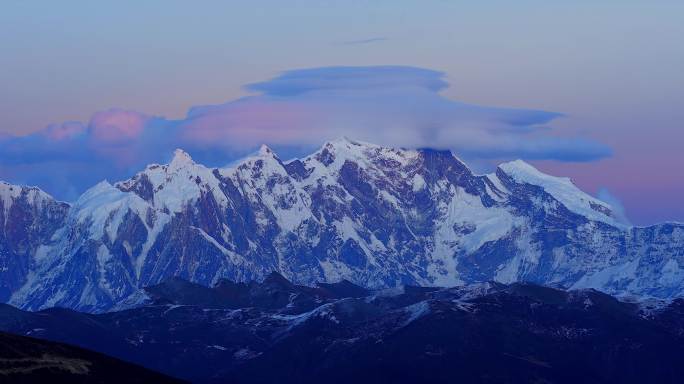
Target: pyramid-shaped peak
point(180, 159)
point(265, 150)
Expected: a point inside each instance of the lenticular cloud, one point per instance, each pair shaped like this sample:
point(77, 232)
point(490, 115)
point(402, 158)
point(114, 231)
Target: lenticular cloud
point(295, 111)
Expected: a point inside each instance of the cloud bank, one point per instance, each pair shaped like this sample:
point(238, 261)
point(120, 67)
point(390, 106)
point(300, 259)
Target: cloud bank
point(294, 112)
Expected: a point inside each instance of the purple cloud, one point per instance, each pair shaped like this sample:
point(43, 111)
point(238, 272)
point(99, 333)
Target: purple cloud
point(341, 79)
point(294, 112)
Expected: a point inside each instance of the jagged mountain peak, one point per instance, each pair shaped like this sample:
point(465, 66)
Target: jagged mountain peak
point(265, 150)
point(12, 191)
point(8, 190)
point(257, 167)
point(264, 157)
point(180, 159)
point(345, 143)
point(335, 153)
point(174, 185)
point(28, 219)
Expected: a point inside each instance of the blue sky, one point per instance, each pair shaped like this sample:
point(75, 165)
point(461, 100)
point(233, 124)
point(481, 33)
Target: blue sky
point(611, 68)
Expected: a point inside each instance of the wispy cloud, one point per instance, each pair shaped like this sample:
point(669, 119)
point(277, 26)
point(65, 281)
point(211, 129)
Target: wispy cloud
point(615, 204)
point(295, 111)
point(362, 41)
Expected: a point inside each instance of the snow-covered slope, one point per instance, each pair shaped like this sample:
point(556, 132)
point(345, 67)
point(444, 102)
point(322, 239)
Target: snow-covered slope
point(562, 190)
point(380, 217)
point(28, 219)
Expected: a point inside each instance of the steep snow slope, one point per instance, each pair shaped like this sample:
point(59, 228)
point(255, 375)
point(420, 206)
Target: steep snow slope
point(28, 220)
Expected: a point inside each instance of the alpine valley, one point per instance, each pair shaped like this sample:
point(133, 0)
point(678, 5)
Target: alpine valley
point(377, 217)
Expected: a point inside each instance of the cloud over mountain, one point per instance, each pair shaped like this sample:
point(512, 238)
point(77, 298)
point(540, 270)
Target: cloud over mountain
point(295, 111)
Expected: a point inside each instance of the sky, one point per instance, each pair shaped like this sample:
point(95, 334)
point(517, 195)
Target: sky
point(593, 90)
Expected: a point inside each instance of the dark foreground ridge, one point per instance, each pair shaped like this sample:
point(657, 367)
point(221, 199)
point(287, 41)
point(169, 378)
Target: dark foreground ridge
point(279, 332)
point(28, 360)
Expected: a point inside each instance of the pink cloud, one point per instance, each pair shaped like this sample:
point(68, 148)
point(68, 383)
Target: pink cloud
point(117, 125)
point(64, 131)
point(295, 111)
point(251, 122)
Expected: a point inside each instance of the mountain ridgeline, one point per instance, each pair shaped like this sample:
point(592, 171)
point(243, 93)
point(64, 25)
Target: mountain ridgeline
point(279, 332)
point(27, 360)
point(378, 217)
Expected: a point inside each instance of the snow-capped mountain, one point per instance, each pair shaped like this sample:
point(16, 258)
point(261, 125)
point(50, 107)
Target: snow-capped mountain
point(379, 217)
point(28, 219)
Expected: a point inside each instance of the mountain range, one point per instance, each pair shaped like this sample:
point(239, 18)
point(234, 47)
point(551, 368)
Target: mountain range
point(378, 217)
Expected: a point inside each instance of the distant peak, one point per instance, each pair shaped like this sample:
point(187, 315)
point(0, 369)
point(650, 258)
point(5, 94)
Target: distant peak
point(265, 150)
point(562, 189)
point(104, 184)
point(180, 154)
point(524, 171)
point(345, 144)
point(518, 168)
point(342, 141)
point(18, 187)
point(102, 188)
point(180, 159)
point(519, 164)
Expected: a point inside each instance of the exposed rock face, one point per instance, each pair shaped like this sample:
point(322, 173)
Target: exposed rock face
point(379, 217)
point(28, 220)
